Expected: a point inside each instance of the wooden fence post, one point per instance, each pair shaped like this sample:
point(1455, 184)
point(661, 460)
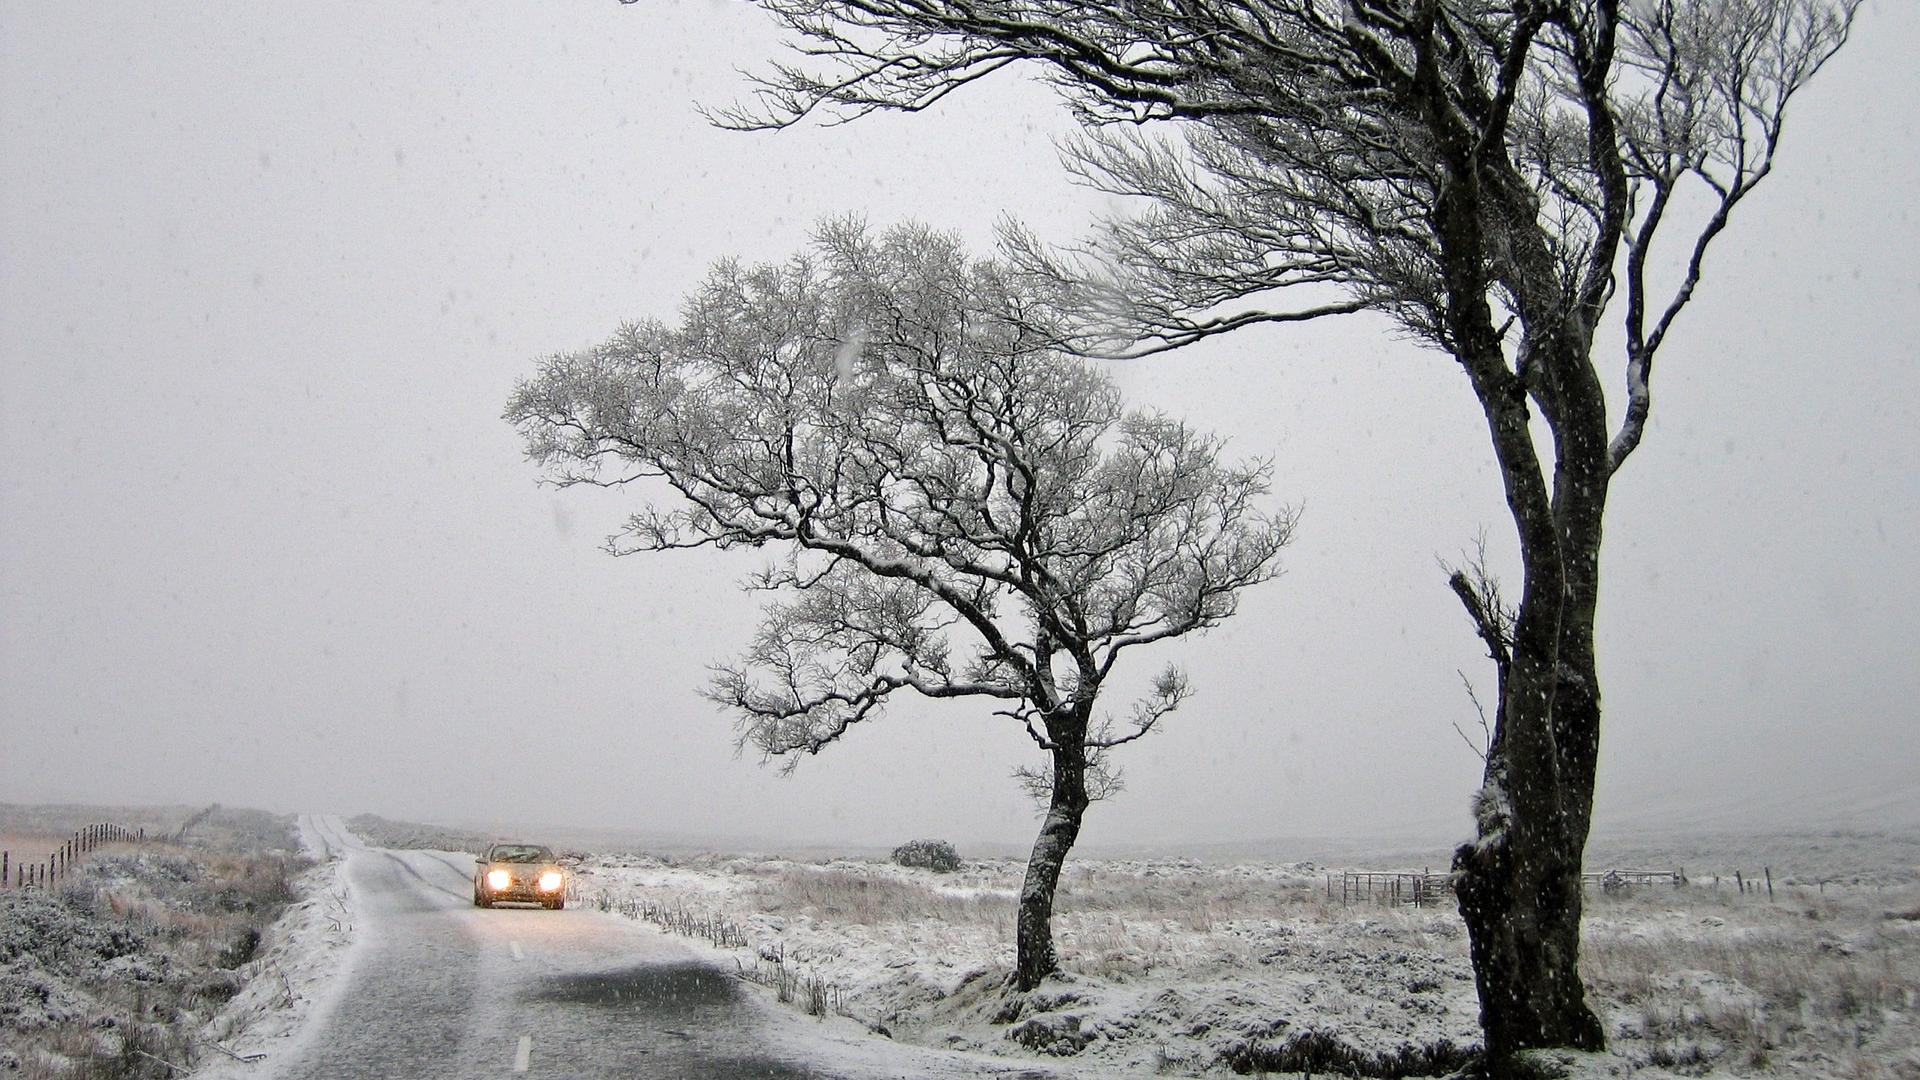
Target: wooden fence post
point(1769, 871)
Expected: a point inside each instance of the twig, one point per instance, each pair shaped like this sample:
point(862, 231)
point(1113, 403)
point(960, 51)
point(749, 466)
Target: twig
point(1485, 731)
point(161, 1060)
point(248, 1058)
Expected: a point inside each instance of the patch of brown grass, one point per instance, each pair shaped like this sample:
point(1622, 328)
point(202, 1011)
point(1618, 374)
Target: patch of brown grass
point(1195, 897)
point(871, 898)
point(1752, 984)
point(191, 920)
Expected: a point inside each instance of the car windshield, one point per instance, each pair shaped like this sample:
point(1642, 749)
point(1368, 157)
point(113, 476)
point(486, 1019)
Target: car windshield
point(520, 853)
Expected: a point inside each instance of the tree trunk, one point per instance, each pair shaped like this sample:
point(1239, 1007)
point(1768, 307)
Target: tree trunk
point(1519, 894)
point(1035, 958)
point(1519, 884)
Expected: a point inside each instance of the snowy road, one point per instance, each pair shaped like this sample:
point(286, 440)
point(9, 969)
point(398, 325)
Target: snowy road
point(435, 987)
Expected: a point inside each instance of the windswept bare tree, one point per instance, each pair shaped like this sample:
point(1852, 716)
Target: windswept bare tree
point(1490, 175)
point(965, 512)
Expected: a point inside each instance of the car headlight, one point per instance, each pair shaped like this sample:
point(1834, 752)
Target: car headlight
point(498, 879)
point(551, 881)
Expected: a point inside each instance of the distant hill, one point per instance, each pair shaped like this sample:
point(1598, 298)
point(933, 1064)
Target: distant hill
point(1775, 808)
point(1869, 839)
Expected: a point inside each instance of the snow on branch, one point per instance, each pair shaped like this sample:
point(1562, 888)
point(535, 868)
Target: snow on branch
point(1459, 168)
point(961, 508)
point(1705, 103)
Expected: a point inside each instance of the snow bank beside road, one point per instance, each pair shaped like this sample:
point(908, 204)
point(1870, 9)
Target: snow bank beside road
point(296, 974)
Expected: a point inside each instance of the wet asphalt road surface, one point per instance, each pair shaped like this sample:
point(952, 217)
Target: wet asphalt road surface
point(437, 988)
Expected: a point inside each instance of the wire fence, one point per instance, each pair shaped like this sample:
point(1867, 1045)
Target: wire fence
point(1421, 888)
point(1619, 881)
point(1424, 888)
point(65, 859)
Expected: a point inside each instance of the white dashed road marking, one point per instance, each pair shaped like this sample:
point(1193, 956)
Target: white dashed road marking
point(514, 947)
point(523, 1054)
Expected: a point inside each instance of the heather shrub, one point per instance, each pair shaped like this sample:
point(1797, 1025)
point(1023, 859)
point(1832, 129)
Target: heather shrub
point(936, 855)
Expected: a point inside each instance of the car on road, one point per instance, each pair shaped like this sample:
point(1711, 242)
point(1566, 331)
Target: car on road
point(522, 873)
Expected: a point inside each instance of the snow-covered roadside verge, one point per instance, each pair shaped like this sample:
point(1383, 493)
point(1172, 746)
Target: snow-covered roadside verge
point(113, 971)
point(1185, 969)
point(1173, 967)
point(854, 1050)
point(298, 971)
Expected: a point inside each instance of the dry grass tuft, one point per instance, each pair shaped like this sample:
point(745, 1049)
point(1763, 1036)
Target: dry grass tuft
point(1697, 981)
point(135, 951)
point(869, 898)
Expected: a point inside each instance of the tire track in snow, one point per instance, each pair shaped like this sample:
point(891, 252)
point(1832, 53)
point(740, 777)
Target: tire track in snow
point(418, 876)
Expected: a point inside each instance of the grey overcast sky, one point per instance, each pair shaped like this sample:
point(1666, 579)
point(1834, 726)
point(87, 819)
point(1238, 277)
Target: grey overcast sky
point(268, 274)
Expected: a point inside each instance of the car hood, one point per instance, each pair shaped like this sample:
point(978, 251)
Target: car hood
point(525, 869)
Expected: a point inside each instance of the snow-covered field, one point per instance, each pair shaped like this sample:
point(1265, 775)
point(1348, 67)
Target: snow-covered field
point(1181, 967)
point(1173, 967)
point(151, 956)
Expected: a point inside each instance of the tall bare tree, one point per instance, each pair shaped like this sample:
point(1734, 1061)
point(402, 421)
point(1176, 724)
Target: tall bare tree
point(1489, 174)
point(965, 511)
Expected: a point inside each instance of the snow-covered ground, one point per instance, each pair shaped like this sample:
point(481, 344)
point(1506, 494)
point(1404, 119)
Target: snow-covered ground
point(296, 971)
point(1180, 967)
point(149, 956)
